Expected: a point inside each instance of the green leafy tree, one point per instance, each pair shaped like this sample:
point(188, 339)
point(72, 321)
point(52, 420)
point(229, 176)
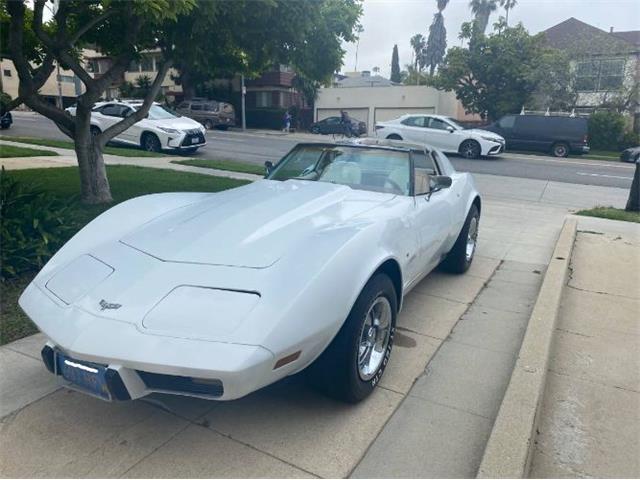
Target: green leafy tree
point(395, 66)
point(119, 29)
point(437, 42)
point(496, 74)
point(252, 36)
point(482, 10)
point(195, 36)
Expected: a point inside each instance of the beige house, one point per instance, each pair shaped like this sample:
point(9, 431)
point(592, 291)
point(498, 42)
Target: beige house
point(61, 83)
point(386, 101)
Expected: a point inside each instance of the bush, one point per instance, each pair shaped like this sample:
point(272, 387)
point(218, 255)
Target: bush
point(33, 226)
point(606, 130)
point(628, 140)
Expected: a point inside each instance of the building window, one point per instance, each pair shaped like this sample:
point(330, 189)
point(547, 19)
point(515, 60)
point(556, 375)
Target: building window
point(600, 75)
point(263, 99)
point(65, 78)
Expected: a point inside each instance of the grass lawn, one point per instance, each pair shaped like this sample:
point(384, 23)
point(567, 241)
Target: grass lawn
point(126, 182)
point(112, 150)
point(14, 323)
point(229, 165)
point(611, 213)
point(9, 151)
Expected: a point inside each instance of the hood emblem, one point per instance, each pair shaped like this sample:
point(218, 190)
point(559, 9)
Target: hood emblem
point(104, 305)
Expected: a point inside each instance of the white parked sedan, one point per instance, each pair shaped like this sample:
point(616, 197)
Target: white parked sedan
point(216, 295)
point(160, 130)
point(443, 133)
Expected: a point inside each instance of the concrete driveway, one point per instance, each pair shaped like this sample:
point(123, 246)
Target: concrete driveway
point(286, 430)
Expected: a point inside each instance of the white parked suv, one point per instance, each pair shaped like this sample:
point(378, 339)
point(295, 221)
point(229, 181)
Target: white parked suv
point(160, 130)
point(443, 133)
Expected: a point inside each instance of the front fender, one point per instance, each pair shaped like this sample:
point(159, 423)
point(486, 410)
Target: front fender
point(312, 309)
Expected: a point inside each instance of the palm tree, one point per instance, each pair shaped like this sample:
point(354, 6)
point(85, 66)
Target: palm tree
point(437, 43)
point(508, 5)
point(418, 42)
point(482, 10)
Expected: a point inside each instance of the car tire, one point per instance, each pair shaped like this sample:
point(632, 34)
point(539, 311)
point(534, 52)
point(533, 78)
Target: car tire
point(350, 367)
point(224, 128)
point(150, 142)
point(315, 130)
point(393, 136)
point(208, 124)
point(470, 149)
point(95, 131)
point(4, 127)
point(560, 149)
point(460, 257)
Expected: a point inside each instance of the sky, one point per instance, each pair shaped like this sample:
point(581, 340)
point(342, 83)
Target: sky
point(389, 22)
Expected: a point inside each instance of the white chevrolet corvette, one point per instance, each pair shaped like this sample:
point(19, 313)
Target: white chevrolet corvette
point(216, 295)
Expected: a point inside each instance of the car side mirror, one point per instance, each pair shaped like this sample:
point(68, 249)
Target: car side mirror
point(440, 182)
point(268, 167)
point(451, 129)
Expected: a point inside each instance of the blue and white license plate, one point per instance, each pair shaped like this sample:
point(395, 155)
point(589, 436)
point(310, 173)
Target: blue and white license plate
point(85, 376)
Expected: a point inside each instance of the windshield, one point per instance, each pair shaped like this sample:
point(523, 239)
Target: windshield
point(373, 169)
point(158, 112)
point(454, 123)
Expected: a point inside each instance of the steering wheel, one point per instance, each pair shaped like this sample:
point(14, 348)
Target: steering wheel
point(395, 186)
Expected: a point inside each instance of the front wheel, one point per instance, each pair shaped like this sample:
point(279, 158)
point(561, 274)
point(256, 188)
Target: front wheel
point(470, 149)
point(353, 363)
point(459, 259)
point(393, 136)
point(151, 143)
point(560, 149)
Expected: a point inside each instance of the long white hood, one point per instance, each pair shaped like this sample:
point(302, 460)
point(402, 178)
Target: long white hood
point(253, 227)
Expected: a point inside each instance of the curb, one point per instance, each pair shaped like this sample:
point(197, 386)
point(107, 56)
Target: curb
point(508, 451)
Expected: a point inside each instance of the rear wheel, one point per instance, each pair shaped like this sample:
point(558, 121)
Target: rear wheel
point(151, 143)
point(461, 255)
point(208, 124)
point(353, 363)
point(470, 149)
point(95, 131)
point(315, 130)
point(393, 136)
point(560, 149)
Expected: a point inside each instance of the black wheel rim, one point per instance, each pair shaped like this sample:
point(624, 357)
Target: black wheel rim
point(469, 150)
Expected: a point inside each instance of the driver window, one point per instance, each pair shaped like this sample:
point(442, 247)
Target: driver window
point(424, 168)
point(437, 124)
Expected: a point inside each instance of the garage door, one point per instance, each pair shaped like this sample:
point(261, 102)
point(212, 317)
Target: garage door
point(383, 114)
point(361, 114)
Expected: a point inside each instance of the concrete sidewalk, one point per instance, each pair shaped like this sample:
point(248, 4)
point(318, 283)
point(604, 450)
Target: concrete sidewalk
point(590, 417)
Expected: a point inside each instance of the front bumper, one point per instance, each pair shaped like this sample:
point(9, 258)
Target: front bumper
point(190, 139)
point(145, 362)
point(491, 148)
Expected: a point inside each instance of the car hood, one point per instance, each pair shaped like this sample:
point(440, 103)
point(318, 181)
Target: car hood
point(483, 133)
point(251, 226)
point(179, 123)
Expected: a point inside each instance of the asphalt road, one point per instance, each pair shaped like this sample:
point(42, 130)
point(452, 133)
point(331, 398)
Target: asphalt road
point(258, 147)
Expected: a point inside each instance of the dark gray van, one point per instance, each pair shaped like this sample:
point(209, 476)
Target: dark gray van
point(558, 135)
point(210, 113)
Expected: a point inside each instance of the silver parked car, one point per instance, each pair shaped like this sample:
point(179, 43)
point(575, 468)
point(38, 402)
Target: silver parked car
point(210, 113)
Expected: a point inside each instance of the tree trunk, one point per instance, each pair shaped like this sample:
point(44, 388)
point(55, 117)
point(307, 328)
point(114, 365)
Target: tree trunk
point(188, 88)
point(633, 203)
point(94, 185)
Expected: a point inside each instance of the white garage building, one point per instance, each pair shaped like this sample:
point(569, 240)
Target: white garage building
point(373, 104)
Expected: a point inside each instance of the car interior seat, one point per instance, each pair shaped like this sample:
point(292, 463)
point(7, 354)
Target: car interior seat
point(348, 173)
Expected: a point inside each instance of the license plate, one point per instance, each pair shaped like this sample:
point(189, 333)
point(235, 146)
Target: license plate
point(195, 140)
point(86, 376)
